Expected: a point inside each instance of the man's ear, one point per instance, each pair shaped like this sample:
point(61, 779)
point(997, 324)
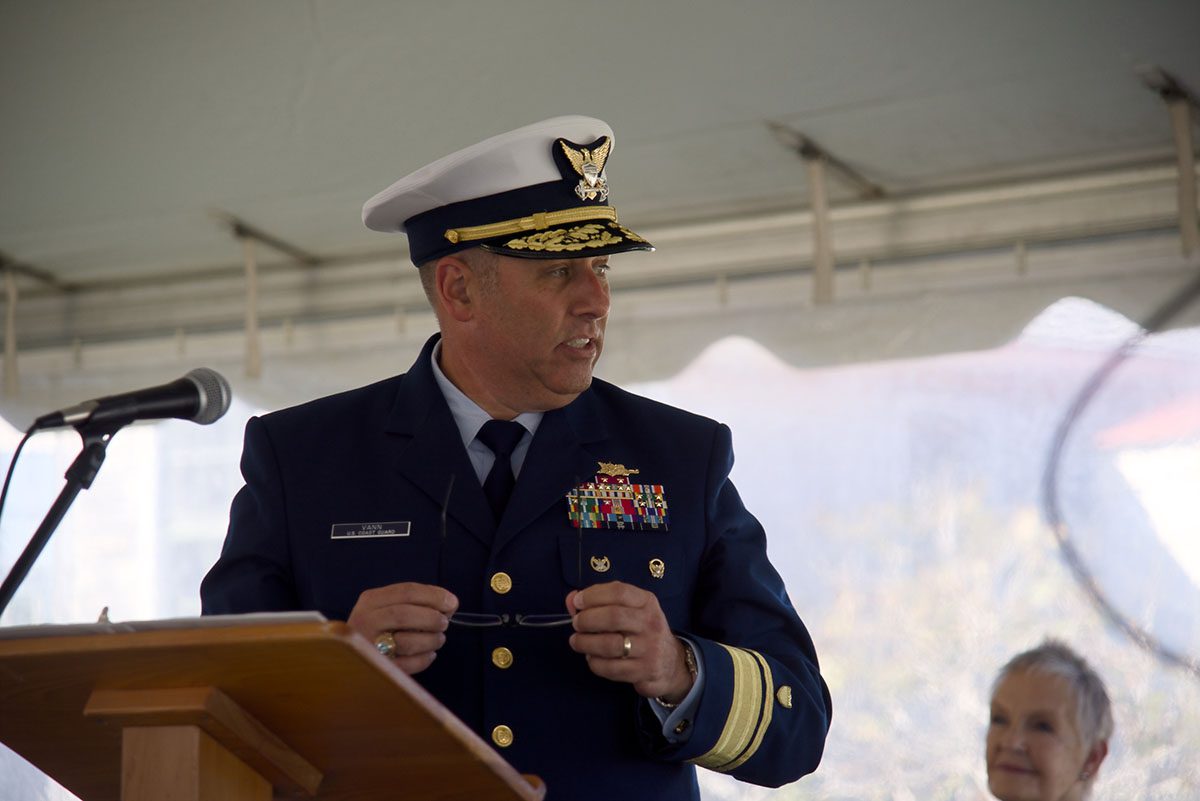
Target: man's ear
point(453, 282)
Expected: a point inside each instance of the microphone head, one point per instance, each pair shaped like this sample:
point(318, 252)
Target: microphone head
point(214, 392)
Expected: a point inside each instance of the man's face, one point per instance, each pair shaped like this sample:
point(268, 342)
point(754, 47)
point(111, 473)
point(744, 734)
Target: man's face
point(1034, 751)
point(539, 329)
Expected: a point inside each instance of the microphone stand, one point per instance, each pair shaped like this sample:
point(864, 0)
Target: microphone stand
point(80, 476)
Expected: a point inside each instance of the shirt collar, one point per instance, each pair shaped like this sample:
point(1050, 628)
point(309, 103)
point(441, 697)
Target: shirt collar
point(468, 415)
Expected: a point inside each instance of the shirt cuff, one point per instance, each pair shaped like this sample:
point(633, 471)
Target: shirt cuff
point(677, 721)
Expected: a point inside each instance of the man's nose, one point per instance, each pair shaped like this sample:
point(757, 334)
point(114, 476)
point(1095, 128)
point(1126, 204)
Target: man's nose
point(593, 295)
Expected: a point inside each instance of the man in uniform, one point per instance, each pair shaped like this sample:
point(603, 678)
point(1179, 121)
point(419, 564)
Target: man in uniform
point(564, 565)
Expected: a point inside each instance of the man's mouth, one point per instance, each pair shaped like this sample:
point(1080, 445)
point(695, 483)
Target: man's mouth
point(580, 343)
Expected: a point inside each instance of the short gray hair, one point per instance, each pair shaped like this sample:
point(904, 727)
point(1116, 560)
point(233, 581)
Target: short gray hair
point(1093, 710)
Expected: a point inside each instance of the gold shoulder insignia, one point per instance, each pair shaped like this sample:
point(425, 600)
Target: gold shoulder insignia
point(610, 469)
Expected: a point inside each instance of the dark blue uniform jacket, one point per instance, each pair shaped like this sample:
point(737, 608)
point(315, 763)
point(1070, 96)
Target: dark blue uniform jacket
point(386, 452)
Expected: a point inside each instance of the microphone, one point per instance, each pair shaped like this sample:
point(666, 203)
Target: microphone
point(201, 396)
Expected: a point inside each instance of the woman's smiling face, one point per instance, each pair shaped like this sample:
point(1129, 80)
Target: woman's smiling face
point(1035, 751)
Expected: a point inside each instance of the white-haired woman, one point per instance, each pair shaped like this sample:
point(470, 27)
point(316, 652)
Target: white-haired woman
point(1050, 725)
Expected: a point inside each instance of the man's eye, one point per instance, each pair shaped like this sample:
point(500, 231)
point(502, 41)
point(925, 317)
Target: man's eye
point(601, 270)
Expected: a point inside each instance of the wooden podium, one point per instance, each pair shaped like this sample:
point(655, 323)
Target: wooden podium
point(236, 709)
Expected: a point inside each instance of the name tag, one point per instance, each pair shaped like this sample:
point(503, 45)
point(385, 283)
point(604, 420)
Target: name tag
point(355, 531)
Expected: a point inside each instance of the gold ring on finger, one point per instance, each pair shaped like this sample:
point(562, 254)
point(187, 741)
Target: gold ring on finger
point(386, 643)
point(626, 647)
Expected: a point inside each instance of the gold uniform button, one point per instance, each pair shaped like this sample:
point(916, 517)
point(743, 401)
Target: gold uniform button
point(657, 568)
point(601, 564)
point(502, 736)
point(501, 583)
point(785, 696)
point(502, 658)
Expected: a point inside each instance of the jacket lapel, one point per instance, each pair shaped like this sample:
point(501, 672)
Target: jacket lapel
point(430, 449)
point(557, 460)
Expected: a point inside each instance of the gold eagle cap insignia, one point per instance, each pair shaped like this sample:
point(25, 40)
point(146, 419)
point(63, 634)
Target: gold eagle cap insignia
point(610, 469)
point(588, 163)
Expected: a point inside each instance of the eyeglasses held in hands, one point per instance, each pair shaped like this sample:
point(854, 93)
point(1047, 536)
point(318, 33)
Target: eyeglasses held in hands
point(491, 620)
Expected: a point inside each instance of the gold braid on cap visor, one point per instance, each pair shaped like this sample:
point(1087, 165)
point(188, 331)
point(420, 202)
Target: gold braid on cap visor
point(535, 222)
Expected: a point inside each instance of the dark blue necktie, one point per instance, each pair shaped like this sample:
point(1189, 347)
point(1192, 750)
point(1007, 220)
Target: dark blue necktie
point(501, 437)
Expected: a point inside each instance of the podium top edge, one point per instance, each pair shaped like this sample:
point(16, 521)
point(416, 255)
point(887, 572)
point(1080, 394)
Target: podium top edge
point(285, 624)
point(174, 624)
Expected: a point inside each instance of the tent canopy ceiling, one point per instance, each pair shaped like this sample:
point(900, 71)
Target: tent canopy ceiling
point(127, 123)
point(1022, 157)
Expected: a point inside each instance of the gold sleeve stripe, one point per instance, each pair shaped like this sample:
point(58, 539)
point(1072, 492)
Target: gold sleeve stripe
point(767, 709)
point(738, 725)
point(749, 712)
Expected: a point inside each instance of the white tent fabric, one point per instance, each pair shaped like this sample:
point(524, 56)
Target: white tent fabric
point(127, 123)
point(960, 271)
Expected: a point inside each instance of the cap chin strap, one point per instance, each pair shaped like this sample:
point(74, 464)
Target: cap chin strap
point(534, 222)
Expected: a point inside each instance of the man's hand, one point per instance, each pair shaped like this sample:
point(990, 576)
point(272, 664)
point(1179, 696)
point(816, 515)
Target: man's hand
point(416, 614)
point(605, 615)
